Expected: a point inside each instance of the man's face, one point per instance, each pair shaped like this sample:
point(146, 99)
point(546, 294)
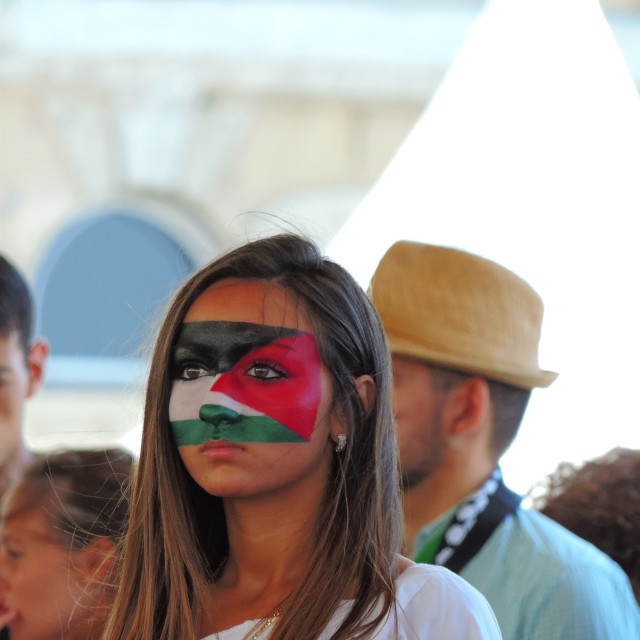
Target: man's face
point(417, 407)
point(15, 387)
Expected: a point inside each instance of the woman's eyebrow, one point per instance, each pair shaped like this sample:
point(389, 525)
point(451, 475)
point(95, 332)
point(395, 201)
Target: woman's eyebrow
point(190, 349)
point(279, 345)
point(27, 534)
point(9, 537)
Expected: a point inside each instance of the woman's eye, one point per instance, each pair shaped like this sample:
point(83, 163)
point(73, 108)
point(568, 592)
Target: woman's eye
point(264, 372)
point(193, 372)
point(11, 553)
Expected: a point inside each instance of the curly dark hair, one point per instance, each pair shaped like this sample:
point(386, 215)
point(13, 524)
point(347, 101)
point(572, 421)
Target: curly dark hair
point(600, 502)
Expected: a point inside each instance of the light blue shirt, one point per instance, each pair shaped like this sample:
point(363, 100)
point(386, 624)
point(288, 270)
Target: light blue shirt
point(544, 583)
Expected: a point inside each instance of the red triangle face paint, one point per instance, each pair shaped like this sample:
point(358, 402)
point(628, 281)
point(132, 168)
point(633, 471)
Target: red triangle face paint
point(291, 395)
point(270, 371)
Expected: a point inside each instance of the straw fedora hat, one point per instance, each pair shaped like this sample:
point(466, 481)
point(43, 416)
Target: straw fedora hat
point(456, 309)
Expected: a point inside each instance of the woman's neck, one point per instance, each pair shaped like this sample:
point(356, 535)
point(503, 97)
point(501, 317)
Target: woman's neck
point(14, 462)
point(269, 552)
point(270, 538)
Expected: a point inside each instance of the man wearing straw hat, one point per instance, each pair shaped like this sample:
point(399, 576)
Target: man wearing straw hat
point(464, 335)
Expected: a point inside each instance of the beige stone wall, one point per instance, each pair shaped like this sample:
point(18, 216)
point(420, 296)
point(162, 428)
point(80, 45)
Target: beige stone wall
point(189, 160)
point(69, 148)
point(191, 142)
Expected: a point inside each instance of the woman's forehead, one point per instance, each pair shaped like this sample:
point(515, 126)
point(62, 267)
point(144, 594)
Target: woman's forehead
point(254, 301)
point(31, 520)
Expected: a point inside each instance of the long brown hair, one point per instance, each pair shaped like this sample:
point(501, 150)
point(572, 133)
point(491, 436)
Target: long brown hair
point(177, 534)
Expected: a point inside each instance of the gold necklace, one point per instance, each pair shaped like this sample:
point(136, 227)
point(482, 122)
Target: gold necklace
point(262, 625)
point(219, 568)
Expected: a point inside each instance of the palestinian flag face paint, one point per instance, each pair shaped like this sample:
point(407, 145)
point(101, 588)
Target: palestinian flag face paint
point(244, 382)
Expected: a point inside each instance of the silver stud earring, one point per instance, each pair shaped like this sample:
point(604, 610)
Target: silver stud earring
point(342, 442)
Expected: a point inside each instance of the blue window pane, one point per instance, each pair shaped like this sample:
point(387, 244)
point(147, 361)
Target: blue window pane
point(105, 283)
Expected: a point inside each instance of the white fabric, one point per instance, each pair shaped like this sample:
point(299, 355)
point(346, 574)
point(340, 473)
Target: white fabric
point(433, 604)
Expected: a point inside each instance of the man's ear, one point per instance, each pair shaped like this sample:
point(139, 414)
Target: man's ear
point(37, 364)
point(467, 408)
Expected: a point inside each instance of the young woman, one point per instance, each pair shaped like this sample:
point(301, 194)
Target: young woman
point(266, 502)
point(60, 528)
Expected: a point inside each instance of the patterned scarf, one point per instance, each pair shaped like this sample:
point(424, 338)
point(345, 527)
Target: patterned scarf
point(471, 526)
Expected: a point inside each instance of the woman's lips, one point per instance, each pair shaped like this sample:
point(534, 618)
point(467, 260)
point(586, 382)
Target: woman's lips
point(220, 449)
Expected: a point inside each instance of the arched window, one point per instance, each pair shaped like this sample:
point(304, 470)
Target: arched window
point(100, 291)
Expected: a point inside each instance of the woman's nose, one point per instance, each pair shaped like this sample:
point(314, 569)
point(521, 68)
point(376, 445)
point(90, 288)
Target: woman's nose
point(4, 576)
point(218, 415)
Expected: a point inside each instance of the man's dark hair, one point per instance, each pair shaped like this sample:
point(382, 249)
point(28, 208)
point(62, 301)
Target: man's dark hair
point(509, 404)
point(16, 305)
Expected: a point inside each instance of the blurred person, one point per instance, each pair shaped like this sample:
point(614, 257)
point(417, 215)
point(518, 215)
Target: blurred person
point(62, 523)
point(266, 502)
point(600, 502)
point(464, 333)
point(22, 367)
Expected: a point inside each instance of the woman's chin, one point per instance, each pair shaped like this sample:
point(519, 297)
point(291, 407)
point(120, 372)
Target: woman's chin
point(8, 617)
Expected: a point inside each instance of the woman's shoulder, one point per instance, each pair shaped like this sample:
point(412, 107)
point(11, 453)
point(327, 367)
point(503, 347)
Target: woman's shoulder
point(436, 585)
point(434, 602)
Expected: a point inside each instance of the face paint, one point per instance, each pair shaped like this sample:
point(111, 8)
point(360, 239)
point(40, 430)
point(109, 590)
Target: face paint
point(244, 382)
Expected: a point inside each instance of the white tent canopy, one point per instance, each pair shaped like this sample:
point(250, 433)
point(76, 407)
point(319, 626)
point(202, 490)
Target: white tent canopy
point(530, 154)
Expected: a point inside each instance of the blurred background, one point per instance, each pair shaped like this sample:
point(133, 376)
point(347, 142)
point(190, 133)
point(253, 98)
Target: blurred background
point(139, 138)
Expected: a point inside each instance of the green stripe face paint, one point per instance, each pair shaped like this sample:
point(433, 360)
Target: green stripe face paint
point(244, 382)
point(242, 429)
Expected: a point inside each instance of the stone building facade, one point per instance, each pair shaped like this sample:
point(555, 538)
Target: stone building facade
point(201, 124)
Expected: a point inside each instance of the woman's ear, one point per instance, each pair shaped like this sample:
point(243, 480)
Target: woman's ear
point(366, 388)
point(98, 559)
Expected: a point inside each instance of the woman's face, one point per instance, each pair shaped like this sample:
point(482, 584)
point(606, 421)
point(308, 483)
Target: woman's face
point(250, 401)
point(40, 593)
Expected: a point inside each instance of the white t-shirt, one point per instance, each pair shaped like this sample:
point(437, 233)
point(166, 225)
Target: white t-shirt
point(433, 604)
